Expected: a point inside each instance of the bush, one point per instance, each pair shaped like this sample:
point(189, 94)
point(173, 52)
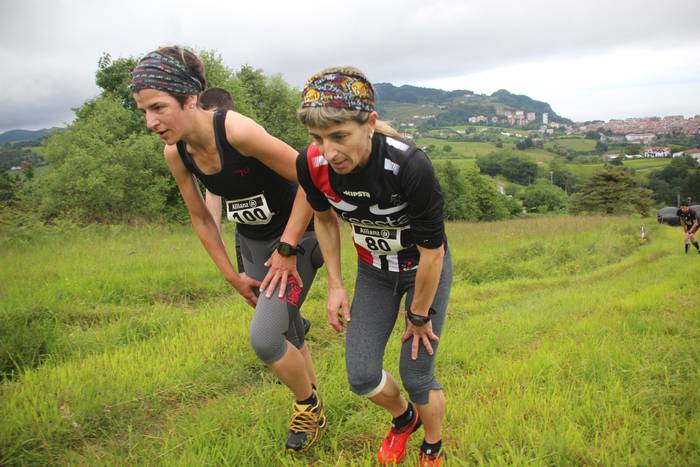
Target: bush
point(543, 198)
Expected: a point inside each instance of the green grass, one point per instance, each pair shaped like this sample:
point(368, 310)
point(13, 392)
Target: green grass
point(568, 342)
point(643, 167)
point(462, 164)
point(460, 149)
point(573, 144)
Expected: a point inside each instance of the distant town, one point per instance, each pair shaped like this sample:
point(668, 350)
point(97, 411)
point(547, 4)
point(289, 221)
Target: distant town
point(639, 131)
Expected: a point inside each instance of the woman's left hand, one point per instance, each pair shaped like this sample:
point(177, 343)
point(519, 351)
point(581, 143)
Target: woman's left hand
point(420, 334)
point(281, 270)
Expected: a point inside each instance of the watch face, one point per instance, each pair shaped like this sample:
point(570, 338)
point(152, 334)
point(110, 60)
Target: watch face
point(285, 249)
point(419, 320)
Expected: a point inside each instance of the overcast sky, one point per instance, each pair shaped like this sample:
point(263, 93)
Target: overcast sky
point(589, 59)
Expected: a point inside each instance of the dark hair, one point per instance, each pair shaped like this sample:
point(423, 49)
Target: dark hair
point(684, 203)
point(191, 61)
point(215, 98)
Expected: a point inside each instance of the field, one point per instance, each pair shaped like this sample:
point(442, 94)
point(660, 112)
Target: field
point(643, 167)
point(568, 341)
point(573, 144)
point(461, 149)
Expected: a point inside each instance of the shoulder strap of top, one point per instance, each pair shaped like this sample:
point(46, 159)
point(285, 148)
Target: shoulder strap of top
point(220, 133)
point(185, 157)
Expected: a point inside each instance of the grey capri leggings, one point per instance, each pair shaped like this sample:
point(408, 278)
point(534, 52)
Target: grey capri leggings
point(278, 320)
point(375, 308)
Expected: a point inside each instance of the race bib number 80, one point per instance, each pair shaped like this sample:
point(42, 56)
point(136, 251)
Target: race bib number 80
point(251, 211)
point(378, 239)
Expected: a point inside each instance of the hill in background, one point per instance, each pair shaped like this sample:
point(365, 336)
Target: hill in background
point(417, 106)
point(14, 136)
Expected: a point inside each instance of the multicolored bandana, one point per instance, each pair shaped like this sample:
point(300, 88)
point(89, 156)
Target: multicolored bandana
point(163, 73)
point(340, 90)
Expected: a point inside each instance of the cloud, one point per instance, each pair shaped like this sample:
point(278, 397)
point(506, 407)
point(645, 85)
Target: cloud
point(53, 47)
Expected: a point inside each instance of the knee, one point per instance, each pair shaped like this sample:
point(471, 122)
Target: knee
point(268, 347)
point(418, 385)
point(365, 382)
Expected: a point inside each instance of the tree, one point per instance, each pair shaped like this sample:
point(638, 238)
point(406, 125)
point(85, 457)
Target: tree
point(447, 148)
point(470, 196)
point(670, 182)
point(524, 144)
point(561, 176)
point(691, 187)
point(275, 104)
point(507, 163)
point(519, 170)
point(632, 149)
point(9, 187)
point(600, 147)
point(543, 197)
point(490, 203)
point(458, 205)
point(103, 172)
point(612, 191)
point(114, 76)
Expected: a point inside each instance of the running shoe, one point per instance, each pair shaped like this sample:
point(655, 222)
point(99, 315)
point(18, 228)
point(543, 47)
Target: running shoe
point(437, 459)
point(305, 425)
point(393, 448)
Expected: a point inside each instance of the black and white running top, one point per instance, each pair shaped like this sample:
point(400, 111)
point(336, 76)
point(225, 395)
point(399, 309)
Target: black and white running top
point(393, 203)
point(688, 218)
point(257, 198)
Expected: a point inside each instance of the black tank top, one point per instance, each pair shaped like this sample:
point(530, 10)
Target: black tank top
point(257, 198)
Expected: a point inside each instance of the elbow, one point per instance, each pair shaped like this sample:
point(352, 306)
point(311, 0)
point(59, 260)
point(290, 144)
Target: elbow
point(433, 257)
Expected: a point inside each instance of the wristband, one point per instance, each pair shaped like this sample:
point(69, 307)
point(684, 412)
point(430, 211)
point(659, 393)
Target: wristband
point(419, 320)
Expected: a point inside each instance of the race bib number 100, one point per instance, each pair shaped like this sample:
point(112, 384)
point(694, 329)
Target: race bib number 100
point(378, 239)
point(252, 211)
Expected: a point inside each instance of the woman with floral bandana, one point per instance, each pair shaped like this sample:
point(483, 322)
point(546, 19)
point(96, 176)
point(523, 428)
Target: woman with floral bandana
point(386, 189)
point(236, 158)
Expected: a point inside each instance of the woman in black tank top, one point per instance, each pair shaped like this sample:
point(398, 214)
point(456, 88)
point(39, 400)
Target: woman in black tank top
point(235, 157)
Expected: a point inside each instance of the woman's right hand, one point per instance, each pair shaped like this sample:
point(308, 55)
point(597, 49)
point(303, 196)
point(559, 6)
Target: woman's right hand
point(247, 287)
point(338, 308)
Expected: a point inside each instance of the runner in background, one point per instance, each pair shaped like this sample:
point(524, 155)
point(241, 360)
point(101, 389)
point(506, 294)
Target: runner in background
point(689, 222)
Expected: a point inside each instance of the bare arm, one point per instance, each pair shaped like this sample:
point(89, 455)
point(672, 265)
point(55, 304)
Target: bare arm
point(206, 228)
point(427, 280)
point(328, 233)
point(252, 140)
point(213, 203)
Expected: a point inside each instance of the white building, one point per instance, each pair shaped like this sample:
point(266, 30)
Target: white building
point(654, 153)
point(644, 138)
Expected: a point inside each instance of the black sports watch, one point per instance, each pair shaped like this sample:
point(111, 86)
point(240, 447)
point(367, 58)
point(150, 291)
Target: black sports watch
point(285, 249)
point(419, 320)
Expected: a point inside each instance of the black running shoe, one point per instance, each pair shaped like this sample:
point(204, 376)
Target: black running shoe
point(305, 425)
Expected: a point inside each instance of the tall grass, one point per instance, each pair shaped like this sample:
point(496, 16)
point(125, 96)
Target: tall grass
point(568, 341)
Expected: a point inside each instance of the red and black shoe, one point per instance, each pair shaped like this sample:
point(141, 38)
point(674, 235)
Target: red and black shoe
point(393, 448)
point(437, 459)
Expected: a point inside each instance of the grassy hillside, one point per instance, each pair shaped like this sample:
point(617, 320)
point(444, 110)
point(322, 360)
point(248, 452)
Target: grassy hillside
point(642, 167)
point(460, 149)
point(567, 342)
point(572, 144)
